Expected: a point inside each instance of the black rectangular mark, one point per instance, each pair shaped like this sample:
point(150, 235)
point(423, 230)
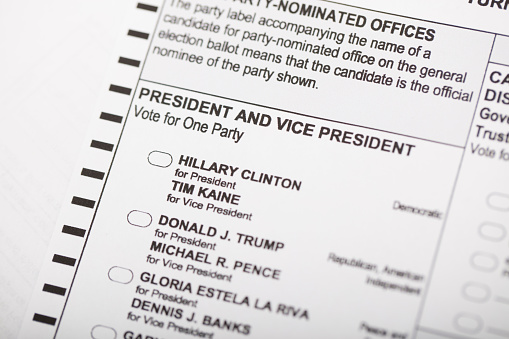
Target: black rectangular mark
point(137, 34)
point(79, 232)
point(111, 117)
point(101, 145)
point(60, 259)
point(54, 289)
point(120, 89)
point(130, 62)
point(83, 202)
point(92, 173)
point(44, 319)
point(147, 7)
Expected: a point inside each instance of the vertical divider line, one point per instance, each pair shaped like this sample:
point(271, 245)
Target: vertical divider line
point(440, 237)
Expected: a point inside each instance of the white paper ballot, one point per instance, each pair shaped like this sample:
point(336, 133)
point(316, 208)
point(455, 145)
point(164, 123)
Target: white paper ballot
point(291, 169)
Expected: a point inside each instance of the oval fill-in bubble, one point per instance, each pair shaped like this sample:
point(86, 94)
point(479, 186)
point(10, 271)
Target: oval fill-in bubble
point(103, 332)
point(160, 159)
point(492, 232)
point(476, 292)
point(139, 218)
point(499, 201)
point(468, 323)
point(120, 275)
point(483, 261)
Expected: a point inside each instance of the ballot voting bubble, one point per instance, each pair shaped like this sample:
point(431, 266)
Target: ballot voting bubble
point(476, 292)
point(160, 159)
point(492, 232)
point(103, 332)
point(485, 262)
point(499, 201)
point(120, 275)
point(139, 218)
point(468, 323)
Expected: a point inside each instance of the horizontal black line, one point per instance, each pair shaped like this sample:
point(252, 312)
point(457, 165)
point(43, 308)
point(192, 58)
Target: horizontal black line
point(111, 117)
point(130, 62)
point(307, 115)
point(92, 173)
point(79, 232)
point(54, 289)
point(102, 145)
point(137, 34)
point(120, 89)
point(44, 319)
point(498, 63)
point(83, 202)
point(147, 7)
point(60, 259)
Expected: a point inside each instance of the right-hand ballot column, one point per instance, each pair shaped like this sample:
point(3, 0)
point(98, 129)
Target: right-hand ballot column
point(468, 292)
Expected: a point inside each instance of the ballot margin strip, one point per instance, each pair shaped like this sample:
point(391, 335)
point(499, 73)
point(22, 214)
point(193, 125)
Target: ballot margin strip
point(116, 119)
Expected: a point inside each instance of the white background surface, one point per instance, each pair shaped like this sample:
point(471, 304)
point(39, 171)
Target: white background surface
point(53, 57)
point(52, 60)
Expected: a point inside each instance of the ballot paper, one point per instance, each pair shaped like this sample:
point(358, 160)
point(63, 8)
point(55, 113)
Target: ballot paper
point(290, 169)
